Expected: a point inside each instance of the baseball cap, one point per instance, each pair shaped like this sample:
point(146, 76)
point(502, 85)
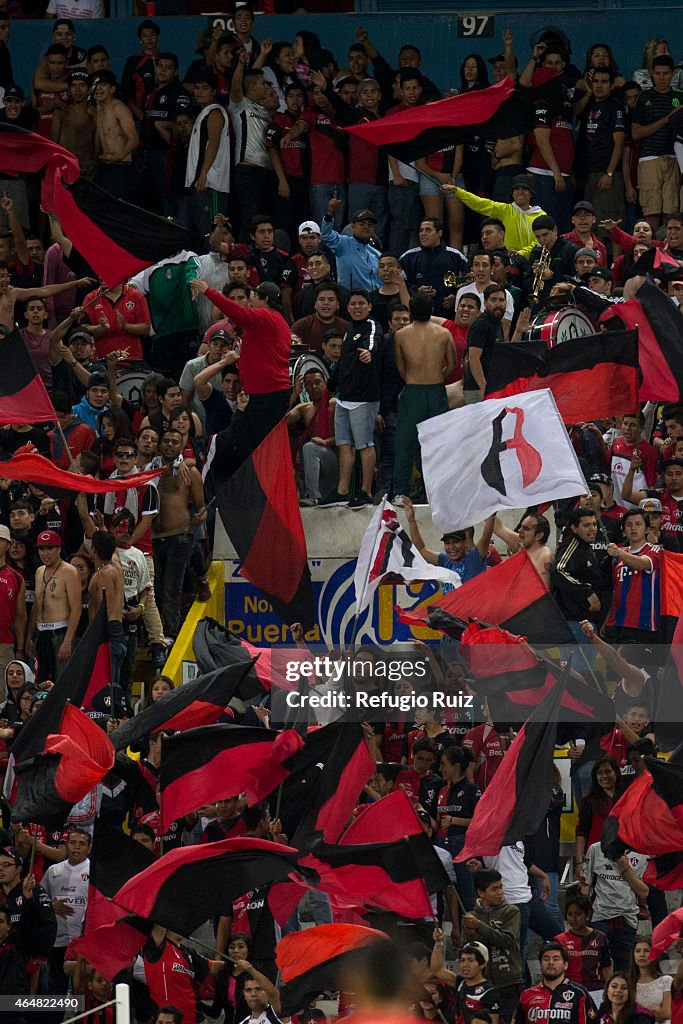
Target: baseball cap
point(39, 697)
point(106, 76)
point(365, 215)
point(454, 535)
point(583, 205)
point(496, 59)
point(79, 76)
point(269, 290)
point(221, 335)
point(650, 505)
point(4, 533)
point(670, 282)
point(586, 251)
point(48, 539)
point(12, 853)
point(602, 272)
point(80, 334)
point(97, 380)
point(600, 478)
point(15, 92)
point(480, 948)
point(309, 227)
point(522, 181)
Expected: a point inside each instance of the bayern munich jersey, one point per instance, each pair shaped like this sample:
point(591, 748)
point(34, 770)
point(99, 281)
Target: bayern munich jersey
point(636, 593)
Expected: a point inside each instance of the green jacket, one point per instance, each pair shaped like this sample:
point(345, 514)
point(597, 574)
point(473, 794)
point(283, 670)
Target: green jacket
point(499, 931)
point(518, 234)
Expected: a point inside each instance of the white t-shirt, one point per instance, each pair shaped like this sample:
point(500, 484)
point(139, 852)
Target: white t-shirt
point(510, 863)
point(69, 883)
point(76, 9)
point(135, 572)
point(471, 289)
point(613, 897)
point(250, 123)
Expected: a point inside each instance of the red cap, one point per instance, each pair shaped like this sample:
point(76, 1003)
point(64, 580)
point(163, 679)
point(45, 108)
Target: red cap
point(49, 539)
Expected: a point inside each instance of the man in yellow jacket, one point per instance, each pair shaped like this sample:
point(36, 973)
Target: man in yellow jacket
point(517, 216)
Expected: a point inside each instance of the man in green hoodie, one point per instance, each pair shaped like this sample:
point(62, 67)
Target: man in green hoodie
point(516, 216)
point(496, 923)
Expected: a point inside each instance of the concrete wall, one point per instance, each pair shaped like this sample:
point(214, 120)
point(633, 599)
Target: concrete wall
point(435, 34)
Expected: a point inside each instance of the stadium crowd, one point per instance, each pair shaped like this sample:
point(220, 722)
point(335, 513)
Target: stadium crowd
point(352, 295)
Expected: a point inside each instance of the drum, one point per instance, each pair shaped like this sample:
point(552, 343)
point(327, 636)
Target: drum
point(129, 379)
point(558, 325)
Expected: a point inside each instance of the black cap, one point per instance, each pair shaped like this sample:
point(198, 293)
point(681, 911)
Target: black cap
point(454, 535)
point(583, 205)
point(602, 272)
point(15, 92)
point(12, 853)
point(601, 478)
point(522, 181)
point(269, 290)
point(496, 59)
point(78, 76)
point(97, 380)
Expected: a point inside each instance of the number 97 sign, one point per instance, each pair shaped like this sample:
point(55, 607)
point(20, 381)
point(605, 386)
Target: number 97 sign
point(475, 26)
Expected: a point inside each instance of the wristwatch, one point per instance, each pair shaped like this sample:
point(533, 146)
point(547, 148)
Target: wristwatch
point(609, 173)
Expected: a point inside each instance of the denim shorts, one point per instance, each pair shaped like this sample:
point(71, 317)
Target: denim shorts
point(428, 187)
point(356, 427)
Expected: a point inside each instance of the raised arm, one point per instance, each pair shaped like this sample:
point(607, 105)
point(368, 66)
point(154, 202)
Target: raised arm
point(429, 556)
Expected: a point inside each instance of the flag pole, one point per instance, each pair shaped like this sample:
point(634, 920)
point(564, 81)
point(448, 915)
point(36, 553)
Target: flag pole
point(278, 802)
point(33, 849)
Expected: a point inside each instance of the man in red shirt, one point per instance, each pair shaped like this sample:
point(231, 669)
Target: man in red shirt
point(287, 147)
point(264, 366)
point(487, 748)
point(556, 1000)
point(583, 222)
point(468, 309)
point(171, 970)
point(119, 318)
point(80, 437)
point(621, 454)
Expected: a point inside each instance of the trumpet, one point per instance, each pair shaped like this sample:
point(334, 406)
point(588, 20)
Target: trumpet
point(543, 264)
point(453, 280)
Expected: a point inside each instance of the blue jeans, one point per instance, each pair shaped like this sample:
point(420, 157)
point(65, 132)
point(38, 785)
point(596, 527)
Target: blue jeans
point(371, 197)
point(320, 197)
point(546, 917)
point(621, 942)
point(557, 204)
point(118, 656)
point(171, 559)
point(406, 210)
point(581, 781)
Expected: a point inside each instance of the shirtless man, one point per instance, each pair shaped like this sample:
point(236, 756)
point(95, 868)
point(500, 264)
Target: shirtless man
point(532, 535)
point(74, 128)
point(116, 139)
point(172, 538)
point(425, 356)
point(107, 584)
point(57, 609)
point(9, 295)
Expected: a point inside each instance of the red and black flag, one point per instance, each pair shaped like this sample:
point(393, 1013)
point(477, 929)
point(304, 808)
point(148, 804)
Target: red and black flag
point(497, 112)
point(71, 764)
point(196, 764)
point(23, 398)
point(212, 875)
point(666, 933)
point(86, 672)
point(594, 377)
point(396, 876)
point(505, 670)
point(117, 239)
point(214, 646)
point(108, 943)
point(668, 713)
point(516, 801)
point(260, 511)
point(347, 767)
point(311, 961)
point(660, 341)
point(511, 595)
point(202, 702)
point(670, 594)
point(648, 818)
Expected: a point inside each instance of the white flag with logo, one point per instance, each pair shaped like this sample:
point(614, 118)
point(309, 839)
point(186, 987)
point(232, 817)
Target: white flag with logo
point(501, 453)
point(387, 555)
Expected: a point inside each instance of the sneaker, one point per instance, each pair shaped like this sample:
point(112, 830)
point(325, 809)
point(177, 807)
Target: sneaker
point(307, 502)
point(379, 496)
point(334, 499)
point(360, 501)
point(398, 501)
point(203, 590)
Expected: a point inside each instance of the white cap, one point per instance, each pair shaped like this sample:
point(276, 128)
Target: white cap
point(309, 227)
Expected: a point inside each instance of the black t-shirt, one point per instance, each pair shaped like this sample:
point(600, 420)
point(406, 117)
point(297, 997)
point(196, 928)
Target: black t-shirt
point(484, 334)
point(160, 108)
point(275, 266)
point(11, 439)
point(218, 412)
point(652, 106)
point(28, 117)
point(380, 307)
point(460, 801)
point(469, 999)
point(599, 122)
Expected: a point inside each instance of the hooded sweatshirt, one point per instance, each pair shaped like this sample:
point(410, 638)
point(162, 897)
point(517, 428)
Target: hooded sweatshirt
point(29, 678)
point(518, 234)
point(499, 931)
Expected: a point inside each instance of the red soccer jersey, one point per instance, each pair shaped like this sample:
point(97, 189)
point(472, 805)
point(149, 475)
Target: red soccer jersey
point(364, 158)
point(569, 1003)
point(487, 749)
point(559, 120)
point(170, 974)
point(393, 741)
point(459, 335)
point(292, 156)
point(327, 142)
point(132, 306)
point(595, 244)
point(588, 954)
point(620, 462)
point(10, 585)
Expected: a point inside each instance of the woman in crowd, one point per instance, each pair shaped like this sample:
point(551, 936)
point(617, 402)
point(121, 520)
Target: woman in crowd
point(607, 785)
point(619, 1005)
point(457, 801)
point(653, 987)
